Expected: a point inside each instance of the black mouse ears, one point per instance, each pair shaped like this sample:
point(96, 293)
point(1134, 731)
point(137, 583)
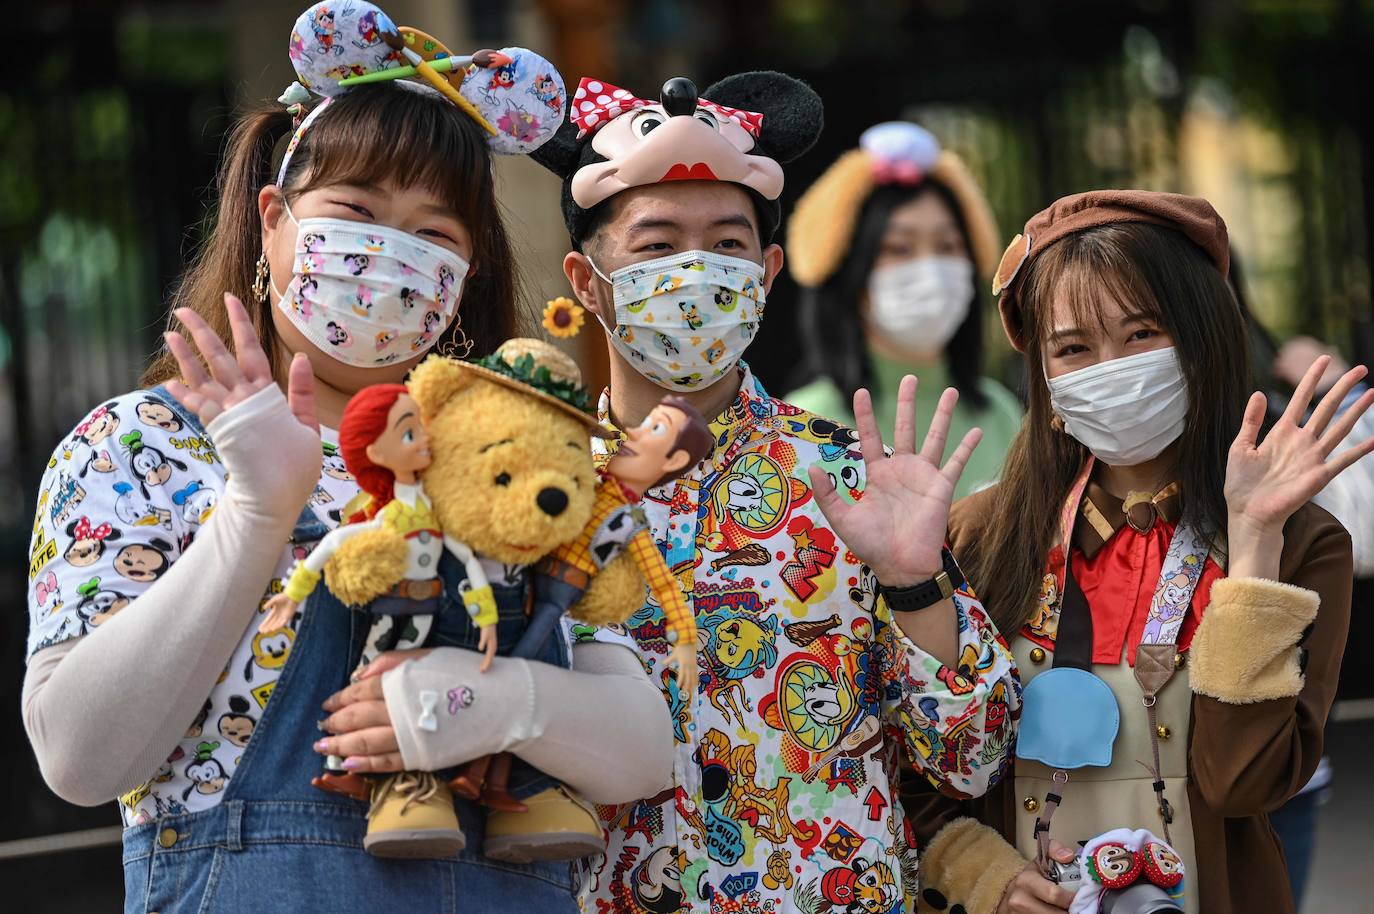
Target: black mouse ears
point(792, 111)
point(792, 120)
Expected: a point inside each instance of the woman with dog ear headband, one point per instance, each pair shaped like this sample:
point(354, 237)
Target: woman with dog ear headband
point(1157, 557)
point(210, 821)
point(890, 247)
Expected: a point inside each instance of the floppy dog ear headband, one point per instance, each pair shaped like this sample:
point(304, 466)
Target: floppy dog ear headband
point(739, 130)
point(514, 94)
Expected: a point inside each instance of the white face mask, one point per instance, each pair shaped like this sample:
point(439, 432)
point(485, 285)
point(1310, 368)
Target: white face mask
point(370, 294)
point(683, 321)
point(1126, 411)
point(918, 304)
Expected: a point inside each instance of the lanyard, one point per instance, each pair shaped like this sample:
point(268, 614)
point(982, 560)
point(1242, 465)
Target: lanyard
point(1154, 665)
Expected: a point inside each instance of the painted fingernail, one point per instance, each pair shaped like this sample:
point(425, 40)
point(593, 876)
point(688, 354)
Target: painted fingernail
point(352, 764)
point(319, 725)
point(322, 746)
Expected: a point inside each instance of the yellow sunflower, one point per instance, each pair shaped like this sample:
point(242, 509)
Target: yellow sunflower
point(563, 317)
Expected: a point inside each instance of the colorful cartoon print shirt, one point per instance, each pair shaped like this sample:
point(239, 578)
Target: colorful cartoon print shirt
point(121, 500)
point(785, 774)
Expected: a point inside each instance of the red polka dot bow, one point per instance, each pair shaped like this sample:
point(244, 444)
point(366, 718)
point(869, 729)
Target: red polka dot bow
point(597, 103)
point(84, 530)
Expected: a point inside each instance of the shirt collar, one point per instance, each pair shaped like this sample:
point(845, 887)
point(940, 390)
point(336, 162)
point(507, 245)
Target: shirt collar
point(1102, 514)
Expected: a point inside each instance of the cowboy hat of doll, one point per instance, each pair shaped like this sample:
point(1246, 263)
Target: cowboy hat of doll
point(821, 229)
point(740, 129)
point(513, 94)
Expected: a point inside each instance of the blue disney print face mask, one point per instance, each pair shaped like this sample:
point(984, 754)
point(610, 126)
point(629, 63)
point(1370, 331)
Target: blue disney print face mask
point(370, 294)
point(683, 321)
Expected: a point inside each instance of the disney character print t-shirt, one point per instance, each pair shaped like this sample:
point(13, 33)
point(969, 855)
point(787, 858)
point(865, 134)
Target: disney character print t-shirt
point(122, 499)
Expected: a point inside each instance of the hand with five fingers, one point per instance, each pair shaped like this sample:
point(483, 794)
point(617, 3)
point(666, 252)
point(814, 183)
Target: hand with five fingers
point(280, 460)
point(1266, 481)
point(359, 727)
point(898, 526)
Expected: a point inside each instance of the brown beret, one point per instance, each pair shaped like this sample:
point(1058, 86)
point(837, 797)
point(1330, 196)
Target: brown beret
point(1193, 216)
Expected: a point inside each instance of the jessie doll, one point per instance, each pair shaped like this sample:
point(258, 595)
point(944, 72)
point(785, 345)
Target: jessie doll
point(385, 446)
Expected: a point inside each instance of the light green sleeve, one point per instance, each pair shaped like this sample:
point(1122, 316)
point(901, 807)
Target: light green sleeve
point(824, 399)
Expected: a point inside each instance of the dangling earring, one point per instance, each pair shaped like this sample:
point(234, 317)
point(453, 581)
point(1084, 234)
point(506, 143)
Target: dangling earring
point(1057, 423)
point(450, 350)
point(262, 281)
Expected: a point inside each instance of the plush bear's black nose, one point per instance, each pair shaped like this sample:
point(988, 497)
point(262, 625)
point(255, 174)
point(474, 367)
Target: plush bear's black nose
point(679, 97)
point(552, 502)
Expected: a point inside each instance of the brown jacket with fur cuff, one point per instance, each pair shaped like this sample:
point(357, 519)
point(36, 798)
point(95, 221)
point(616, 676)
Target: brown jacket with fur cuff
point(1259, 707)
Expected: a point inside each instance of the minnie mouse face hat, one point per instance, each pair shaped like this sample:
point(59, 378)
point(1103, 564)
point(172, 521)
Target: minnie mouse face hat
point(741, 130)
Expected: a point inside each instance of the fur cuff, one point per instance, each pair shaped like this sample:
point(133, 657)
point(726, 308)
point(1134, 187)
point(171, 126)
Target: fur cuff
point(1246, 650)
point(967, 864)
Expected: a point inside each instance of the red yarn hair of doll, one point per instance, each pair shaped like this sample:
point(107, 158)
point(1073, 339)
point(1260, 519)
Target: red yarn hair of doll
point(364, 420)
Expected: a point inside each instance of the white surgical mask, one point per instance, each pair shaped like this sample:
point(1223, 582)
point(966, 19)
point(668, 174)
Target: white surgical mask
point(918, 304)
point(683, 321)
point(1126, 411)
point(370, 294)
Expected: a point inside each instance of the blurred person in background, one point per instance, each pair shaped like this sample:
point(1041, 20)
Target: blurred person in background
point(892, 247)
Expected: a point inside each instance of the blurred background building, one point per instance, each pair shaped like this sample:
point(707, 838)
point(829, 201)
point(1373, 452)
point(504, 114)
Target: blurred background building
point(112, 115)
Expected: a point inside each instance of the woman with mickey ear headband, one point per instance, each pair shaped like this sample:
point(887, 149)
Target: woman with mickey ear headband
point(891, 247)
point(1176, 605)
point(356, 229)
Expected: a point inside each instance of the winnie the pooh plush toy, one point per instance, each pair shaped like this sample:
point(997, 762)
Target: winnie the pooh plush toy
point(508, 477)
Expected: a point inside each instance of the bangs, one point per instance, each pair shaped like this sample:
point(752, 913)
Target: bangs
point(1083, 273)
point(375, 134)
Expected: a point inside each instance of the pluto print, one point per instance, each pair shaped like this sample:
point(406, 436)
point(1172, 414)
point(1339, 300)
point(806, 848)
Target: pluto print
point(122, 499)
point(784, 795)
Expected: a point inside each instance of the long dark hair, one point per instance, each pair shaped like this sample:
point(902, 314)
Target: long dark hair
point(369, 135)
point(1155, 272)
point(831, 319)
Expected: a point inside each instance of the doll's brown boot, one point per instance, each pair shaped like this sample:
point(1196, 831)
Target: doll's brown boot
point(412, 816)
point(559, 825)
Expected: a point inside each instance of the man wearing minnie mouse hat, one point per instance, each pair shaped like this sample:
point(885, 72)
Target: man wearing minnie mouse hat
point(783, 792)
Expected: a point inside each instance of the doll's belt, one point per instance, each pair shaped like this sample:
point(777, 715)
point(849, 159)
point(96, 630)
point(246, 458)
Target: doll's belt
point(407, 589)
point(566, 572)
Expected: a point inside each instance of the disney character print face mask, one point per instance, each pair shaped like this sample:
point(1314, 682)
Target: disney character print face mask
point(683, 321)
point(370, 294)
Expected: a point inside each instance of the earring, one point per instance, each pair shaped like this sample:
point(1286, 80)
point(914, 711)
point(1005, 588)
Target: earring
point(262, 280)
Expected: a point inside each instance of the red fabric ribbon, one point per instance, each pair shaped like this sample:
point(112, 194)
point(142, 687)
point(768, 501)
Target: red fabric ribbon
point(94, 417)
point(597, 103)
point(84, 530)
point(897, 172)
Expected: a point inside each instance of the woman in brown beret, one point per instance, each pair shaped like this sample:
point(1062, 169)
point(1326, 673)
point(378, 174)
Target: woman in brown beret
point(1140, 533)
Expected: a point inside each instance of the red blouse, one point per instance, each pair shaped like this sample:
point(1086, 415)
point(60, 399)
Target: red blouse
point(1118, 576)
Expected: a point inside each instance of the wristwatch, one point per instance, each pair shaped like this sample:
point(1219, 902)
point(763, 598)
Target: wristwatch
point(926, 593)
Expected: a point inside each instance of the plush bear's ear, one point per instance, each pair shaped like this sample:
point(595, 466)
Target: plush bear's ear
point(792, 111)
point(561, 152)
point(435, 381)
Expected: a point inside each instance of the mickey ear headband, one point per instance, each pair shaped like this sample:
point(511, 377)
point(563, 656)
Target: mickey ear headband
point(822, 225)
point(514, 94)
point(740, 130)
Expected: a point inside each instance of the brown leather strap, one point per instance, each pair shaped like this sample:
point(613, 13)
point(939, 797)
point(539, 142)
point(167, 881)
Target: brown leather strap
point(568, 574)
point(408, 589)
point(1043, 860)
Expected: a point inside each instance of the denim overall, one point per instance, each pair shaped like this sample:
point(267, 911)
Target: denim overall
point(277, 844)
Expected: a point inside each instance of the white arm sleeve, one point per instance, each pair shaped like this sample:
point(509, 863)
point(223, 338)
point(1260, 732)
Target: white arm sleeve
point(601, 728)
point(125, 693)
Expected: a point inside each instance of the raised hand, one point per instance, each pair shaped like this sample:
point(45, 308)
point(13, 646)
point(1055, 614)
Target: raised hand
point(1269, 480)
point(898, 527)
point(232, 379)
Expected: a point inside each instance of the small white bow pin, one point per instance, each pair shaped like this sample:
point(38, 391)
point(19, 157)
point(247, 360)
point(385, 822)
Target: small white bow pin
point(429, 701)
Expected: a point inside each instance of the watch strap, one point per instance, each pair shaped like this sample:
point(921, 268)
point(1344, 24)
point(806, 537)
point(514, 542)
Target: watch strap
point(927, 593)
